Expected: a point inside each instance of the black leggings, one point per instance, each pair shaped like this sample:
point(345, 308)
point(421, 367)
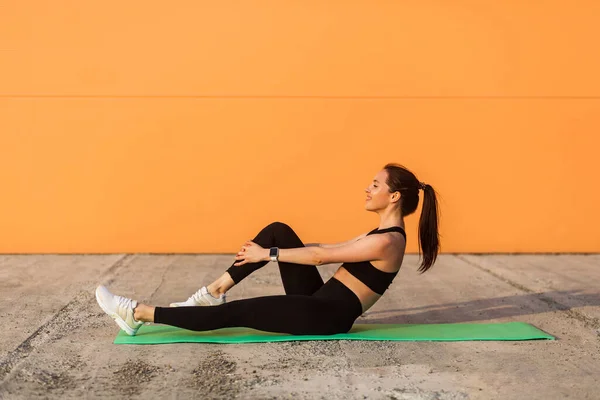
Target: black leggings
point(308, 307)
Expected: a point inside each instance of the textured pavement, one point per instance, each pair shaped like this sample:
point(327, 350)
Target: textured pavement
point(57, 343)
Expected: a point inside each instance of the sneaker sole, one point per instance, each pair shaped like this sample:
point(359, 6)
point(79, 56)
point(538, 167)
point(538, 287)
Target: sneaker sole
point(122, 324)
point(185, 305)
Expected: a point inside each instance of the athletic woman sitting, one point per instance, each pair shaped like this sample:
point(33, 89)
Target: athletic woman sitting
point(369, 264)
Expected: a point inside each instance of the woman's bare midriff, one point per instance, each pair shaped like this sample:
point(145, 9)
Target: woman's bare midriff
point(366, 296)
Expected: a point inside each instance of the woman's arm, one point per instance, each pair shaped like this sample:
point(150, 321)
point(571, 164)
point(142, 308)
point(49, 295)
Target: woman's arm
point(309, 255)
point(328, 246)
point(372, 249)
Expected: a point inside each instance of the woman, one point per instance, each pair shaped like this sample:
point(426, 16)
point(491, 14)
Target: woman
point(370, 263)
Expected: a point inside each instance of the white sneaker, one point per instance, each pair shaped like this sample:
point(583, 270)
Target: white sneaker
point(201, 298)
point(119, 308)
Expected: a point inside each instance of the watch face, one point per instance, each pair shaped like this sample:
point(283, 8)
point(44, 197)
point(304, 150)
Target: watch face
point(273, 252)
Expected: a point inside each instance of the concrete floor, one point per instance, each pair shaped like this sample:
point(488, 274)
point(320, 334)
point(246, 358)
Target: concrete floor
point(57, 343)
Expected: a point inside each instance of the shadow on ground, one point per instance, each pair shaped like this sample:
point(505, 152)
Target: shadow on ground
point(488, 309)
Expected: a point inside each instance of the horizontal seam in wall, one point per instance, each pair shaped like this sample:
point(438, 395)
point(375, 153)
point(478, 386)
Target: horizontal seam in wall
point(312, 97)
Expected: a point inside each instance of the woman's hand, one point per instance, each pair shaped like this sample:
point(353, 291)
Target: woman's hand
point(251, 253)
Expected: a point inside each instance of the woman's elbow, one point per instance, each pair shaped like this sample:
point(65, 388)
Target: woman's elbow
point(318, 256)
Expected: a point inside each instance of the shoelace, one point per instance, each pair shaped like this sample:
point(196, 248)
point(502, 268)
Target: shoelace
point(124, 302)
point(197, 296)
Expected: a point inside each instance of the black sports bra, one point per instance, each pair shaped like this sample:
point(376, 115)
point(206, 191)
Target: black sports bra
point(376, 279)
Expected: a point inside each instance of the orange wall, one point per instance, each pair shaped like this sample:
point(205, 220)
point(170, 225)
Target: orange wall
point(144, 126)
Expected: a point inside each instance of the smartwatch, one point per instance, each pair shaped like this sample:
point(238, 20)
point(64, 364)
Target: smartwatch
point(274, 253)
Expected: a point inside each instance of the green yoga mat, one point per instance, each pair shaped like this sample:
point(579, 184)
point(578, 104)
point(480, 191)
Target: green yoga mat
point(159, 334)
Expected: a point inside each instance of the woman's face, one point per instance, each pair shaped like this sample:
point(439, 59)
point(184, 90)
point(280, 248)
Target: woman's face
point(378, 195)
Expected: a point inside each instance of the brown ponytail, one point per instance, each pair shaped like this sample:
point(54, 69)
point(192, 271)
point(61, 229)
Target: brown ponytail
point(400, 179)
point(429, 239)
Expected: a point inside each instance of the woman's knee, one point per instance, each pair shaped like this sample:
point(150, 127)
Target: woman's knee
point(283, 235)
point(281, 229)
point(279, 226)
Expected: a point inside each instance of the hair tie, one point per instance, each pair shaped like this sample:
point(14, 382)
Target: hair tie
point(422, 185)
